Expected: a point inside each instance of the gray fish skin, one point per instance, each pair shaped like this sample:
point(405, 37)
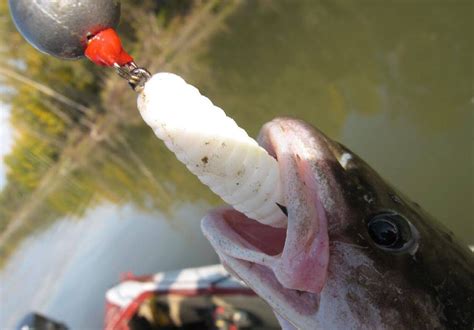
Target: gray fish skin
point(425, 281)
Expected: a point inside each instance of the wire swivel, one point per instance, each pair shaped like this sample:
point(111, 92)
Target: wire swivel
point(136, 76)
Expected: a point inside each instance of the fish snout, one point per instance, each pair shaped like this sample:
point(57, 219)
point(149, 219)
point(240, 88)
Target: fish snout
point(285, 266)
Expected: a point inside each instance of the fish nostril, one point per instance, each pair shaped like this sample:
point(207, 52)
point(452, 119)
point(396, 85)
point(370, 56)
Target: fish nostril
point(344, 159)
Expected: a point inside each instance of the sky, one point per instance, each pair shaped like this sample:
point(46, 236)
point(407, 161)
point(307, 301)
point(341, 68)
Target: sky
point(6, 139)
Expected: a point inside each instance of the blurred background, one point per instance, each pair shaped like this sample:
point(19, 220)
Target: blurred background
point(87, 192)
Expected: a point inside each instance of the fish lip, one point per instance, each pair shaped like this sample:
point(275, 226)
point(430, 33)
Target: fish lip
point(295, 143)
point(297, 307)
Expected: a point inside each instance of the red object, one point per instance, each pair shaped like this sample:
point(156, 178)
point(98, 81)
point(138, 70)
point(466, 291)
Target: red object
point(105, 48)
point(129, 276)
point(117, 318)
point(193, 285)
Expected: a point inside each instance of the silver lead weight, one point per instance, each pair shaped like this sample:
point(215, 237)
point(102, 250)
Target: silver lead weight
point(61, 27)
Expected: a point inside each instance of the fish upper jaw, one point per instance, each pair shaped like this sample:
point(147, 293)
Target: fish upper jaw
point(285, 266)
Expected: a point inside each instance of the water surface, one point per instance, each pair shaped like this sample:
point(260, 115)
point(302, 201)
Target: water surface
point(391, 81)
point(65, 271)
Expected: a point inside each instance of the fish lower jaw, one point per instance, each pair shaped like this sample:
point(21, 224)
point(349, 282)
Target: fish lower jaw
point(255, 253)
point(235, 236)
point(298, 308)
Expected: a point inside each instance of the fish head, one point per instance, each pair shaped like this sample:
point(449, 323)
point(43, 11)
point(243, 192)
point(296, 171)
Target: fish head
point(355, 252)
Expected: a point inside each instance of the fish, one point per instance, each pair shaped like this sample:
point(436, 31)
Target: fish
point(355, 253)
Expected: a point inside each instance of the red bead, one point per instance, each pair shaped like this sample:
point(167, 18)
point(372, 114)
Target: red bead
point(105, 48)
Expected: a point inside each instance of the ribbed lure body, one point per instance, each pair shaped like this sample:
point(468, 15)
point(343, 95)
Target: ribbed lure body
point(213, 147)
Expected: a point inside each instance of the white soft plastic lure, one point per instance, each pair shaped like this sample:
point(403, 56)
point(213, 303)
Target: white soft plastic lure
point(213, 147)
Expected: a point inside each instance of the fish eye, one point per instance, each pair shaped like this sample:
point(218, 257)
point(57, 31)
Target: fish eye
point(384, 232)
point(392, 232)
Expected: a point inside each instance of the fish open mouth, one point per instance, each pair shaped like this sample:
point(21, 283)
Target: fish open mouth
point(285, 266)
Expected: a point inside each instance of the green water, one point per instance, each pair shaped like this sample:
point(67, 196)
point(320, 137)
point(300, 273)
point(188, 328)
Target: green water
point(392, 81)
